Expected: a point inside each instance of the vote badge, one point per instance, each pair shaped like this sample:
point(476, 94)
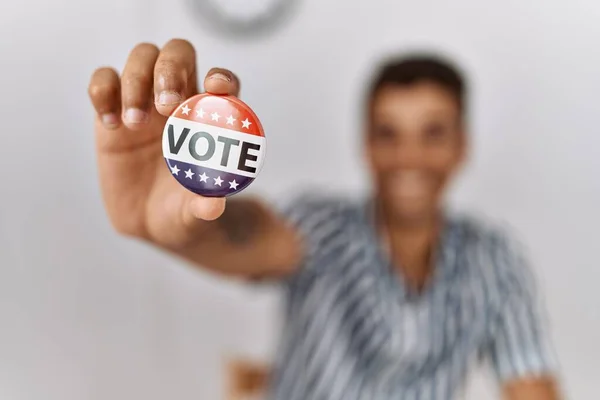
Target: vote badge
point(214, 145)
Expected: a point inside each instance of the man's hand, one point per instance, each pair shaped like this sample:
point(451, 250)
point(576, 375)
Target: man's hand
point(531, 389)
point(140, 195)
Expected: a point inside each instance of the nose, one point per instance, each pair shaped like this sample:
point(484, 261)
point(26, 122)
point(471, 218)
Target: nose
point(408, 154)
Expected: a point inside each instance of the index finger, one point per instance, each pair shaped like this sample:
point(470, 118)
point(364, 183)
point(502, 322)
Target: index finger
point(174, 75)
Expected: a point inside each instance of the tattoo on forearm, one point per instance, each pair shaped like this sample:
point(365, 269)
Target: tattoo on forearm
point(242, 221)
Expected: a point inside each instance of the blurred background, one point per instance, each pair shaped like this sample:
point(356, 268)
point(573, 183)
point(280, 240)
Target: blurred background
point(85, 314)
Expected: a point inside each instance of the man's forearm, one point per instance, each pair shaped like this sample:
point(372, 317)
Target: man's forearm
point(247, 240)
point(243, 221)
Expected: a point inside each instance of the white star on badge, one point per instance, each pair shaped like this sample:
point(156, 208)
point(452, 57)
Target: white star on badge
point(200, 113)
point(189, 173)
point(185, 109)
point(174, 170)
point(233, 185)
point(230, 120)
point(218, 180)
point(203, 177)
point(246, 123)
point(215, 116)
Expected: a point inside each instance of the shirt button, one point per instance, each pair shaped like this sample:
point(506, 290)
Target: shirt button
point(213, 145)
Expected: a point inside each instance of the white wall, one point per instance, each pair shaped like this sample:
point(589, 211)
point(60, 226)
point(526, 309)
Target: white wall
point(88, 315)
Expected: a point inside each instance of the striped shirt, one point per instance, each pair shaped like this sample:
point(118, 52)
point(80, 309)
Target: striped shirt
point(354, 331)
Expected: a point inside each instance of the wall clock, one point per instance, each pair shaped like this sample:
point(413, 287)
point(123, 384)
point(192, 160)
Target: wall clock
point(243, 18)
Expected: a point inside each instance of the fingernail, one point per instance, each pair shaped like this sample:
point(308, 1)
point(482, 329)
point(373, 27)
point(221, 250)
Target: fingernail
point(218, 75)
point(135, 116)
point(167, 98)
point(110, 120)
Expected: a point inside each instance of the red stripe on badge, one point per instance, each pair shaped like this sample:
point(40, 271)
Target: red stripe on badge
point(227, 112)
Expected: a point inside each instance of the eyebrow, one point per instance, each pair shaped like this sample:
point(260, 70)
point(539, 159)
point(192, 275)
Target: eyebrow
point(438, 112)
point(430, 113)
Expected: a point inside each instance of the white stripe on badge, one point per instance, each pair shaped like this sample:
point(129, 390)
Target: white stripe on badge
point(213, 147)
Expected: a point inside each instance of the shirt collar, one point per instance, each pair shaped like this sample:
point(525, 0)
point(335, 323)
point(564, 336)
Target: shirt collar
point(446, 252)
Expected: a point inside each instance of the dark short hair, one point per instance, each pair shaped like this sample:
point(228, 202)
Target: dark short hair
point(412, 69)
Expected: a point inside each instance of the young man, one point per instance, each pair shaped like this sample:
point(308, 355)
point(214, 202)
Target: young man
point(389, 298)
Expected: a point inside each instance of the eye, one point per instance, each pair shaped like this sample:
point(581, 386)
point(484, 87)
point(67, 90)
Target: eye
point(383, 133)
point(436, 132)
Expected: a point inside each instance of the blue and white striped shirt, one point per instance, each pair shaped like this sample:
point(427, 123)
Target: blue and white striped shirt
point(355, 331)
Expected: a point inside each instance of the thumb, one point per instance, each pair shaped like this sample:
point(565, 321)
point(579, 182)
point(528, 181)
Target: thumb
point(205, 208)
point(187, 213)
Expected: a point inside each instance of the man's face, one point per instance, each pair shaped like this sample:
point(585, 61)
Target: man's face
point(415, 144)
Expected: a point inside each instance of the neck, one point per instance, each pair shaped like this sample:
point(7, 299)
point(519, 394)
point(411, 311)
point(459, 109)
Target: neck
point(410, 245)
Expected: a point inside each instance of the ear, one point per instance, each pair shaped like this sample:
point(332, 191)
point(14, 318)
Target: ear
point(464, 146)
point(365, 145)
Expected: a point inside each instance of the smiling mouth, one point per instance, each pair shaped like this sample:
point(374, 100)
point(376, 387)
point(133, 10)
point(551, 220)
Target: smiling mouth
point(410, 184)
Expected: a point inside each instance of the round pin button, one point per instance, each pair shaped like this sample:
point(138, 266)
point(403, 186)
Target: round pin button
point(214, 145)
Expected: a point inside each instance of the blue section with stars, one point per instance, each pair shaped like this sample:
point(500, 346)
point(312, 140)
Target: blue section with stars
point(207, 181)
